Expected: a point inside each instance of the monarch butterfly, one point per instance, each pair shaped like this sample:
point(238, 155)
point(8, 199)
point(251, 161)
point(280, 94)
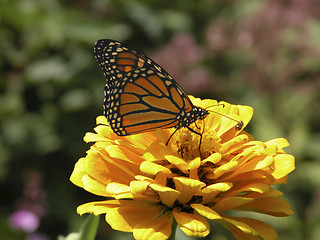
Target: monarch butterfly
point(140, 96)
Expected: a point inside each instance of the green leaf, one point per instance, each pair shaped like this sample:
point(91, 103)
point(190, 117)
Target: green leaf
point(87, 231)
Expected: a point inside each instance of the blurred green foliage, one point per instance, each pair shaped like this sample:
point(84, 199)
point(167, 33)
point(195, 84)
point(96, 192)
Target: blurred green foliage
point(260, 53)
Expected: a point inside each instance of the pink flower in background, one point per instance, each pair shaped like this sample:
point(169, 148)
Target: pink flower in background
point(182, 58)
point(268, 47)
point(24, 220)
point(36, 236)
point(30, 207)
point(197, 80)
point(216, 36)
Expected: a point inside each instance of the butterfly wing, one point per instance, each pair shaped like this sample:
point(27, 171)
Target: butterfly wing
point(139, 95)
point(116, 59)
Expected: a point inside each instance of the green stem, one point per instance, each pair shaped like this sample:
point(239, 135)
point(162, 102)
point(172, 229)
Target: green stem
point(173, 230)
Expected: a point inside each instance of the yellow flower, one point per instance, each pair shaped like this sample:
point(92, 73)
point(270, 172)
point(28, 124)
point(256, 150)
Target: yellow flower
point(147, 183)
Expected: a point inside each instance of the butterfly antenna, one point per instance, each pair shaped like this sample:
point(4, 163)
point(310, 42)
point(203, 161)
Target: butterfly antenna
point(239, 123)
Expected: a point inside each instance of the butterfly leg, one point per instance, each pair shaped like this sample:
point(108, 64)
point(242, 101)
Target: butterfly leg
point(197, 125)
point(171, 136)
point(200, 139)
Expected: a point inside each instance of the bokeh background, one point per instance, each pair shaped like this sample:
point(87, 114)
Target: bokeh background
point(265, 54)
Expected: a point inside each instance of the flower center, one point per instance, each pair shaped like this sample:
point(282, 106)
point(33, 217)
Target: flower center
point(187, 144)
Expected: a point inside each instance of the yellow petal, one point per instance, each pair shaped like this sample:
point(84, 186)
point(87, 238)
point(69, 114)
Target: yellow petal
point(206, 211)
point(152, 168)
point(280, 142)
point(231, 203)
point(154, 228)
point(224, 169)
point(138, 187)
point(240, 235)
point(119, 191)
point(102, 120)
point(248, 187)
point(264, 230)
point(142, 140)
point(163, 134)
point(167, 195)
point(284, 164)
point(153, 152)
point(106, 169)
point(245, 114)
point(272, 193)
point(241, 226)
point(213, 158)
point(80, 178)
point(271, 149)
point(106, 132)
point(178, 162)
point(97, 207)
point(237, 112)
point(124, 154)
point(78, 172)
point(270, 205)
point(96, 166)
point(210, 192)
point(145, 220)
point(92, 137)
point(93, 186)
point(187, 188)
point(251, 228)
point(252, 163)
point(194, 167)
point(264, 163)
point(240, 139)
point(219, 187)
point(162, 177)
point(191, 224)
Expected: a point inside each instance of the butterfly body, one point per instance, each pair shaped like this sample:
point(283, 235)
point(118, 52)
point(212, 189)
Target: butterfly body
point(140, 96)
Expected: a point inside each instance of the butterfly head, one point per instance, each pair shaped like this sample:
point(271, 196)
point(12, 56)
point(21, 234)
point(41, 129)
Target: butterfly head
point(198, 113)
point(202, 113)
point(185, 119)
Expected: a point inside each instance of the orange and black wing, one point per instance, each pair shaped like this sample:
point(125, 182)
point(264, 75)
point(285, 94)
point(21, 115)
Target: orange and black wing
point(139, 95)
